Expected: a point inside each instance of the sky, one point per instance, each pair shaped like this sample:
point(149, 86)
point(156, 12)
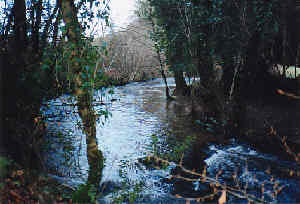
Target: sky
point(121, 12)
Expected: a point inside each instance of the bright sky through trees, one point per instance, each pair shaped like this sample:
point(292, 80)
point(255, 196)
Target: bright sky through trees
point(121, 12)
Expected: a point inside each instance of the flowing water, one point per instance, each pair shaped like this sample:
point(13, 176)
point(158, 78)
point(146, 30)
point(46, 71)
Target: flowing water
point(139, 111)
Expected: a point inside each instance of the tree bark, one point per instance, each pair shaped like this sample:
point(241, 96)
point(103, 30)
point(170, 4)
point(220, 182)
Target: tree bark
point(15, 59)
point(174, 59)
point(181, 87)
point(84, 97)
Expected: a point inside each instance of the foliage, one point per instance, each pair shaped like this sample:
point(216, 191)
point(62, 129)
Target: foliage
point(38, 60)
point(197, 35)
point(63, 62)
point(41, 63)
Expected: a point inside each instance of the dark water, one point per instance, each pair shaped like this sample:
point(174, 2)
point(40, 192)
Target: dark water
point(141, 111)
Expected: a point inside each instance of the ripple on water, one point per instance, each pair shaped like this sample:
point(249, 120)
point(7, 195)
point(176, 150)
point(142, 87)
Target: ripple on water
point(252, 170)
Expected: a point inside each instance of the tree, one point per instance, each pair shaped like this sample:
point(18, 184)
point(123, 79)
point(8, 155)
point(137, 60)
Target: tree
point(37, 61)
point(25, 35)
point(241, 36)
point(130, 52)
point(83, 87)
point(157, 35)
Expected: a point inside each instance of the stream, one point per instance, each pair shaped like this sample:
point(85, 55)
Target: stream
point(138, 114)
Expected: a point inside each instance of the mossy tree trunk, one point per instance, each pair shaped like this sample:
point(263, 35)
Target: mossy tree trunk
point(84, 96)
point(95, 157)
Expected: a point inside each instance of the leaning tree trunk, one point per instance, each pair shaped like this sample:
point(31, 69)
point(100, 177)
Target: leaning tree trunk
point(163, 76)
point(84, 97)
point(158, 53)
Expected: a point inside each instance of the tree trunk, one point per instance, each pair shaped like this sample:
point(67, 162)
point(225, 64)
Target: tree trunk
point(227, 76)
point(15, 59)
point(181, 87)
point(158, 54)
point(95, 157)
point(13, 65)
point(175, 59)
point(163, 73)
point(84, 97)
